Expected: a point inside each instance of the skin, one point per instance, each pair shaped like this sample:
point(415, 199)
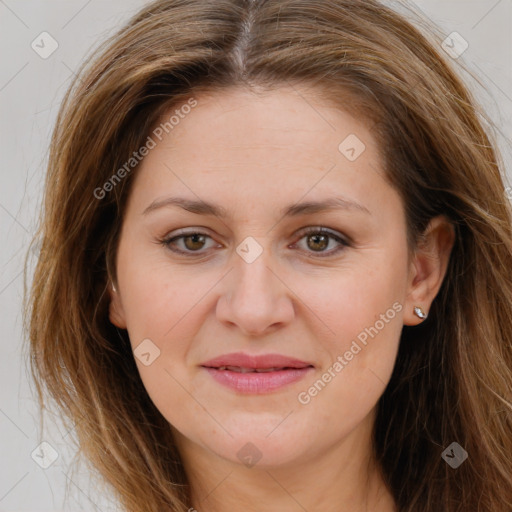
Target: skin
point(254, 154)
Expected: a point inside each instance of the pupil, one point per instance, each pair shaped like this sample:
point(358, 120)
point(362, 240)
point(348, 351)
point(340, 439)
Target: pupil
point(317, 237)
point(195, 238)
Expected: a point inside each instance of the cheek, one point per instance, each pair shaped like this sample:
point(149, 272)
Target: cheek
point(156, 295)
point(159, 306)
point(363, 311)
point(354, 300)
point(360, 362)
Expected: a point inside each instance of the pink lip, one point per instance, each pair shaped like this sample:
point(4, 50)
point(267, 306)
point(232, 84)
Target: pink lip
point(287, 370)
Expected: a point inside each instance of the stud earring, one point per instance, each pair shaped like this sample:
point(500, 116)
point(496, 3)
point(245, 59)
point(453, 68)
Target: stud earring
point(113, 287)
point(420, 313)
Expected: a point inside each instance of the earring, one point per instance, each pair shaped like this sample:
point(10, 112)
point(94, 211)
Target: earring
point(420, 313)
point(113, 287)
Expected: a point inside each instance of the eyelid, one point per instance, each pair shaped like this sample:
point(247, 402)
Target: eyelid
point(328, 231)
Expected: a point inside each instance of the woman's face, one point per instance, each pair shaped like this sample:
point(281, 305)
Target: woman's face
point(247, 288)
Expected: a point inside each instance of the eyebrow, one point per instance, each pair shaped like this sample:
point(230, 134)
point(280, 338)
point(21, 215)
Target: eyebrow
point(201, 207)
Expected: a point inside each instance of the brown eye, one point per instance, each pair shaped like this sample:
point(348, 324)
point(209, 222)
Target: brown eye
point(318, 239)
point(194, 242)
point(191, 243)
point(318, 242)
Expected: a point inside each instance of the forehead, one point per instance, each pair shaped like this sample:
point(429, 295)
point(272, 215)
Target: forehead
point(285, 143)
point(263, 120)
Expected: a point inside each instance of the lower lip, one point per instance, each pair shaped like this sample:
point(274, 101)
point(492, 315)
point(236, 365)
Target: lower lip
point(254, 382)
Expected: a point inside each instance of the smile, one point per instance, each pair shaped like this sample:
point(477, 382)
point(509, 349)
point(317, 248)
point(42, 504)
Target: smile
point(249, 370)
point(256, 374)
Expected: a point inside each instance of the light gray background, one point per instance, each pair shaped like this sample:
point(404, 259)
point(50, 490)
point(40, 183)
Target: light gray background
point(31, 89)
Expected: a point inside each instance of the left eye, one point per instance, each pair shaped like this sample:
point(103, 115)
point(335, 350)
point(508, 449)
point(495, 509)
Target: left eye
point(320, 237)
point(317, 237)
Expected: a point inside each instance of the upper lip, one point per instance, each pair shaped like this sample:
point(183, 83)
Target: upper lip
point(260, 362)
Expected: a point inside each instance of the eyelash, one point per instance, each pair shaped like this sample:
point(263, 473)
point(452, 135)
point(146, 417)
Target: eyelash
point(166, 242)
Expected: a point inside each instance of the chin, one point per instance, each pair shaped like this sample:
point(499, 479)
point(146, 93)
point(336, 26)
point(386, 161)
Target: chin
point(262, 444)
point(262, 453)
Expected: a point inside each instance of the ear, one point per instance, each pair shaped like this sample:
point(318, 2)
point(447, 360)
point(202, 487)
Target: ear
point(428, 267)
point(116, 311)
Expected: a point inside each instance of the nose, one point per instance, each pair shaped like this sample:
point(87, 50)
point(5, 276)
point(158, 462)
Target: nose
point(256, 298)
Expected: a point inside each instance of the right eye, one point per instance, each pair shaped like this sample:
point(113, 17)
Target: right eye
point(192, 242)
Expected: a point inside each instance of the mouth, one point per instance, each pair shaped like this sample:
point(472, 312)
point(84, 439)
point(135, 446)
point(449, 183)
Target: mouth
point(252, 370)
point(256, 374)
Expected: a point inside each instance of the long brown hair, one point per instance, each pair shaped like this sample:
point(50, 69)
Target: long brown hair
point(452, 381)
